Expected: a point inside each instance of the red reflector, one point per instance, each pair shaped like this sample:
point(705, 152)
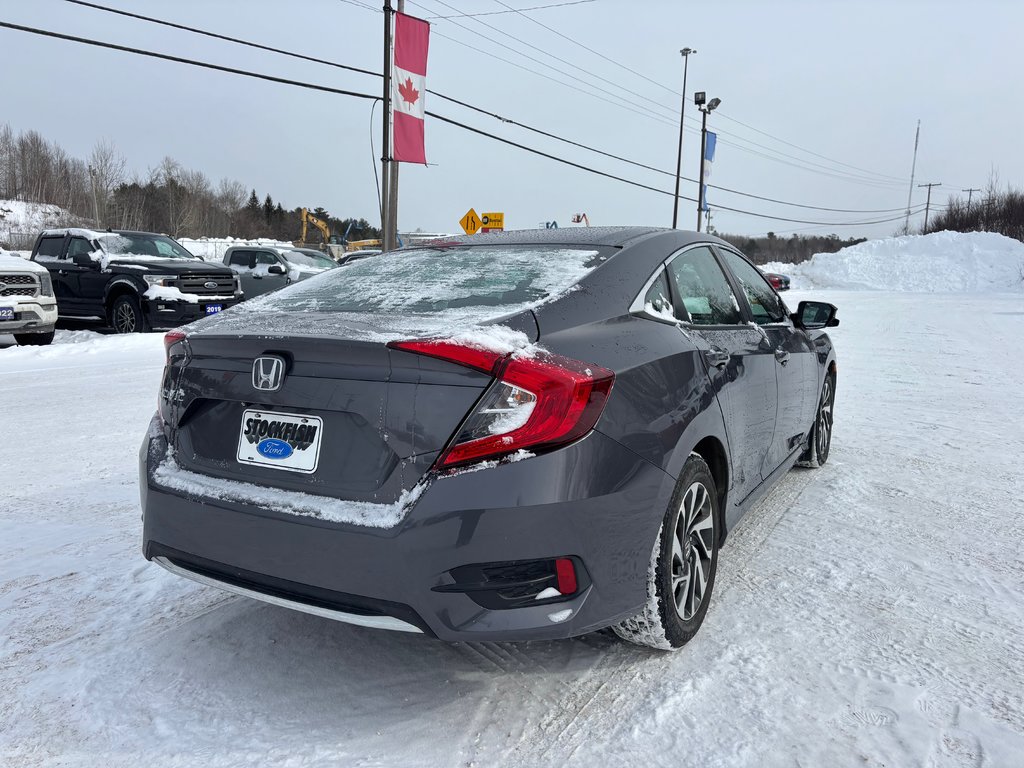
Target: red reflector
point(566, 573)
point(171, 338)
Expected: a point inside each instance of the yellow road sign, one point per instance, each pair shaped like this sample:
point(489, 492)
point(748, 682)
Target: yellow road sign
point(470, 222)
point(493, 222)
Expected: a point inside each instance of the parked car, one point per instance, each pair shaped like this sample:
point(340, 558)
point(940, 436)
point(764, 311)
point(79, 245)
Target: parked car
point(779, 282)
point(505, 437)
point(133, 281)
point(349, 256)
point(266, 268)
point(28, 308)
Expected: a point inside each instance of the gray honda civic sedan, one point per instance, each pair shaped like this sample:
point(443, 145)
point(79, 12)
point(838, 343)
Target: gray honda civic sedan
point(501, 437)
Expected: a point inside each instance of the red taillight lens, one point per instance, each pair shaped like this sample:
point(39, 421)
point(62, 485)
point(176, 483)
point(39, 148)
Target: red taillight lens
point(538, 403)
point(170, 339)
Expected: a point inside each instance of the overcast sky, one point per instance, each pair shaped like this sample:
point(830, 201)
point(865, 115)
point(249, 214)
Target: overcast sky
point(844, 80)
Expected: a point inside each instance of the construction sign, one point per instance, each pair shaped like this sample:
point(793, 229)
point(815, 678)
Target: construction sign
point(492, 222)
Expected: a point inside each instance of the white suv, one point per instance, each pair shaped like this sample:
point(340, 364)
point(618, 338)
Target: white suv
point(28, 308)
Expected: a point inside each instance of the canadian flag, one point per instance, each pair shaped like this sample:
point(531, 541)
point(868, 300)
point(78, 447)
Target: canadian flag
point(408, 87)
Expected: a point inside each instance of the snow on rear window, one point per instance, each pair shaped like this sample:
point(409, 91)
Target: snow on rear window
point(438, 280)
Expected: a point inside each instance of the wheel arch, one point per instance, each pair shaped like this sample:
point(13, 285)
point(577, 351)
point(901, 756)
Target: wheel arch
point(714, 454)
point(116, 288)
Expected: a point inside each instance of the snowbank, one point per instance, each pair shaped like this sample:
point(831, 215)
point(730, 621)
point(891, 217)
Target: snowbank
point(941, 262)
point(213, 248)
point(21, 221)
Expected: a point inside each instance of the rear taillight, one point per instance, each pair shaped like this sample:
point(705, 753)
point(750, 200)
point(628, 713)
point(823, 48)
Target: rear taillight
point(170, 339)
point(536, 403)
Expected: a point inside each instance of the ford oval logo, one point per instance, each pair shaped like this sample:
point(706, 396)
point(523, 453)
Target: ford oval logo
point(272, 448)
point(210, 285)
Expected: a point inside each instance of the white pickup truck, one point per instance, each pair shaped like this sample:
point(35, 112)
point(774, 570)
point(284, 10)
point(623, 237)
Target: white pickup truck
point(28, 308)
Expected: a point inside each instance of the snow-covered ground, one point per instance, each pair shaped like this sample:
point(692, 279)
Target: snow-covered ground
point(866, 614)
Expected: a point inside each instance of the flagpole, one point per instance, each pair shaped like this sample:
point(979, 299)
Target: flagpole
point(385, 160)
point(393, 191)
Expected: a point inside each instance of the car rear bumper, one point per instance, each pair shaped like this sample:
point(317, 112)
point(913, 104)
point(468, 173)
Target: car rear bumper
point(593, 501)
point(34, 316)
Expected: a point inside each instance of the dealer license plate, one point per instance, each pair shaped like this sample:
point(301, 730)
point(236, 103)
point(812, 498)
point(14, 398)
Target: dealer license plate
point(6, 313)
point(213, 309)
point(280, 440)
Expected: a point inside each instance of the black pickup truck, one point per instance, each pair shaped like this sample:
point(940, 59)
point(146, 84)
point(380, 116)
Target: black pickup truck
point(133, 281)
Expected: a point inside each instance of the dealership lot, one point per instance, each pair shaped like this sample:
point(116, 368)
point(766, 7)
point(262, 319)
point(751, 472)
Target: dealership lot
point(866, 614)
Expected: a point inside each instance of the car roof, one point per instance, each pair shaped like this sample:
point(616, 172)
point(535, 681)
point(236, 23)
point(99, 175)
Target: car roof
point(575, 236)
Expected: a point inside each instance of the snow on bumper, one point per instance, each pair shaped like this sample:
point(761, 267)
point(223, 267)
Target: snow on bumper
point(30, 315)
point(531, 509)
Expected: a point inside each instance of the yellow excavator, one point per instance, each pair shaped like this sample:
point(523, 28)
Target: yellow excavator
point(333, 244)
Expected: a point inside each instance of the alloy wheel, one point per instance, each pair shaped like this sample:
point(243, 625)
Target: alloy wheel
point(693, 545)
point(823, 432)
point(124, 318)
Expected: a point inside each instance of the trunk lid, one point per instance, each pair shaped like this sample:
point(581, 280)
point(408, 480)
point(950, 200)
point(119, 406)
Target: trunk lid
point(375, 416)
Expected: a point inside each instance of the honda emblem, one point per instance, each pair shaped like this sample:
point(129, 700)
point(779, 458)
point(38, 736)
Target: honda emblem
point(268, 373)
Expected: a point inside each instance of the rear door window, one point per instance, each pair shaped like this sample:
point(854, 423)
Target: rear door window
point(765, 304)
point(50, 248)
point(242, 259)
point(702, 288)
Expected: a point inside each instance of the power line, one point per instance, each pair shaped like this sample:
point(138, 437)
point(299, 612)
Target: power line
point(181, 60)
point(676, 93)
point(442, 118)
point(466, 105)
point(513, 10)
point(576, 85)
point(585, 71)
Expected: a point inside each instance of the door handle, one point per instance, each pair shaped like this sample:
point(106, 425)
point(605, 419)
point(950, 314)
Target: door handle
point(782, 356)
point(717, 358)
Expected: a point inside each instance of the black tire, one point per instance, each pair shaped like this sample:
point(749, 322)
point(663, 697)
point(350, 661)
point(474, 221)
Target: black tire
point(33, 339)
point(819, 440)
point(676, 602)
point(126, 315)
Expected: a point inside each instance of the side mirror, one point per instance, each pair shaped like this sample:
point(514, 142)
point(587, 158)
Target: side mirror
point(812, 315)
point(83, 260)
point(276, 269)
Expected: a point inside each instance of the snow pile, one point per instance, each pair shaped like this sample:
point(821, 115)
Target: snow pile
point(941, 262)
point(213, 248)
point(21, 221)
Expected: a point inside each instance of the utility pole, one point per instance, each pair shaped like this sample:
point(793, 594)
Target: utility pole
point(913, 167)
point(392, 233)
point(970, 192)
point(679, 157)
point(385, 160)
point(95, 203)
point(928, 204)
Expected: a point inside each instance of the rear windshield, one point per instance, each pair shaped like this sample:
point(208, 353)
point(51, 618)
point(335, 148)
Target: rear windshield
point(431, 280)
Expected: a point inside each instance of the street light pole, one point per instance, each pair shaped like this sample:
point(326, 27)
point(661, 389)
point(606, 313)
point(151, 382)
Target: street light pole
point(679, 156)
point(703, 149)
point(705, 108)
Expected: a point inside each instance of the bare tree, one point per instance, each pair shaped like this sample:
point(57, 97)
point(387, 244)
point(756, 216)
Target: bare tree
point(106, 170)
